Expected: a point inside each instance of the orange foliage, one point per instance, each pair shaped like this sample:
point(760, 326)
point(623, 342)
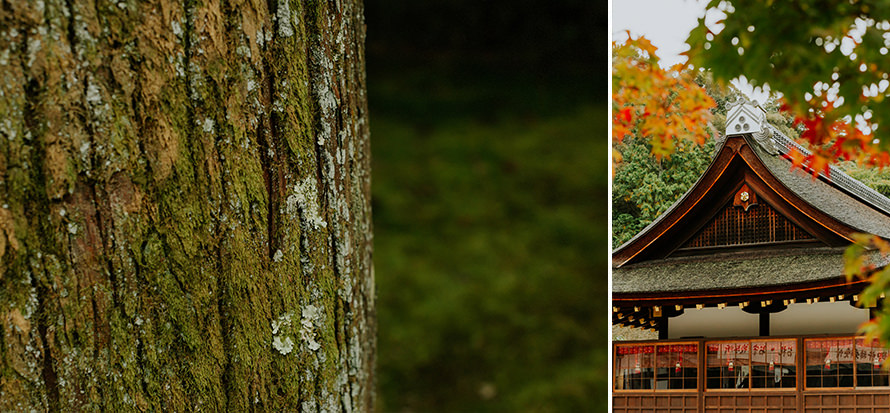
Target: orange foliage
point(653, 103)
point(831, 139)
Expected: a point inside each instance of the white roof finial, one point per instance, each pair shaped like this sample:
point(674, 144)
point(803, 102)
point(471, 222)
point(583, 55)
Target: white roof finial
point(744, 117)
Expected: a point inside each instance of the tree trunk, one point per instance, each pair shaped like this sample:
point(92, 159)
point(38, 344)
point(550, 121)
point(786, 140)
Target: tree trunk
point(185, 219)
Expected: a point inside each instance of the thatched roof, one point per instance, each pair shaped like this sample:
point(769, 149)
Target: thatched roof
point(838, 194)
point(730, 270)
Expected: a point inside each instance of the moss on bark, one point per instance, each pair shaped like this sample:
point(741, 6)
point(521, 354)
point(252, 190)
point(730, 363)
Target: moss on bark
point(185, 219)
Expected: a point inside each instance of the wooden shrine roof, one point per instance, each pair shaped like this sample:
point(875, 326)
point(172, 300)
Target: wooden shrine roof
point(683, 249)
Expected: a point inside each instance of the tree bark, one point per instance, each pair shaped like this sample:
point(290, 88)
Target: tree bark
point(185, 220)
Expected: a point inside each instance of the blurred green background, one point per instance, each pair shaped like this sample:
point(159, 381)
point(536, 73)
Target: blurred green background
point(488, 124)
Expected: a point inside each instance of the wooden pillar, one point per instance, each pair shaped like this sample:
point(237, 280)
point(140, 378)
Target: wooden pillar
point(800, 366)
point(764, 323)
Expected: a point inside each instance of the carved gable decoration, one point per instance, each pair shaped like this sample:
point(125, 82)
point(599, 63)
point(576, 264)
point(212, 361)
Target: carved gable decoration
point(745, 198)
point(746, 224)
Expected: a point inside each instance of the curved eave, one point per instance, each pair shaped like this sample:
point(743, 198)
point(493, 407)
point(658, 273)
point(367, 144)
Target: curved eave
point(732, 296)
point(838, 179)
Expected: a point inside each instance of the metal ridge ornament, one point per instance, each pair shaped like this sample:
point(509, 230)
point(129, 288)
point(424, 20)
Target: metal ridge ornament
point(747, 117)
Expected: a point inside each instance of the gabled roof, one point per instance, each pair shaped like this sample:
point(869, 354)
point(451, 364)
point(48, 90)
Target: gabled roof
point(826, 211)
point(752, 232)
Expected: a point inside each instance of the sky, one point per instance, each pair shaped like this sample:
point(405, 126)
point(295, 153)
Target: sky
point(667, 23)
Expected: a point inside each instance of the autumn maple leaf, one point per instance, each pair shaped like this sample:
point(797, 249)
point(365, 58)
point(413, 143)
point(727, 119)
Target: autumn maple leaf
point(656, 104)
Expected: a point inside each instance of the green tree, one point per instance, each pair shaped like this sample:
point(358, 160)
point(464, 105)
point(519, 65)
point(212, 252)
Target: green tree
point(184, 207)
point(644, 187)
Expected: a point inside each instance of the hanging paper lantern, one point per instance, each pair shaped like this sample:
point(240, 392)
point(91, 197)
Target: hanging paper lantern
point(730, 365)
point(877, 361)
point(637, 369)
point(828, 362)
point(677, 367)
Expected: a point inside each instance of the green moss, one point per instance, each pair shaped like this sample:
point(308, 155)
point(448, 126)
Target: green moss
point(168, 265)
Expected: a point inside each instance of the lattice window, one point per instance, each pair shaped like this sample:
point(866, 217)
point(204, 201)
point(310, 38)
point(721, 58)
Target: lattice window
point(830, 362)
point(663, 366)
point(728, 365)
point(760, 224)
point(755, 364)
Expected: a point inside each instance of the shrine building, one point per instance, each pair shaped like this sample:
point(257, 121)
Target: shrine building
point(742, 278)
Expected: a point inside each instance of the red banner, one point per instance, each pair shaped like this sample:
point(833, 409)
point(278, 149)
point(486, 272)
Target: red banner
point(635, 349)
point(728, 347)
point(678, 348)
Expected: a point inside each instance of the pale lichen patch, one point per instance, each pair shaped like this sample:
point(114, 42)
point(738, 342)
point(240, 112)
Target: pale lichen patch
point(310, 317)
point(284, 346)
point(208, 125)
point(282, 321)
point(283, 15)
point(34, 47)
point(7, 128)
point(280, 340)
point(93, 96)
point(305, 200)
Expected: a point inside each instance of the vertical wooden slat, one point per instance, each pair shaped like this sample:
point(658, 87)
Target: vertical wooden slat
point(734, 226)
point(801, 361)
point(702, 359)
